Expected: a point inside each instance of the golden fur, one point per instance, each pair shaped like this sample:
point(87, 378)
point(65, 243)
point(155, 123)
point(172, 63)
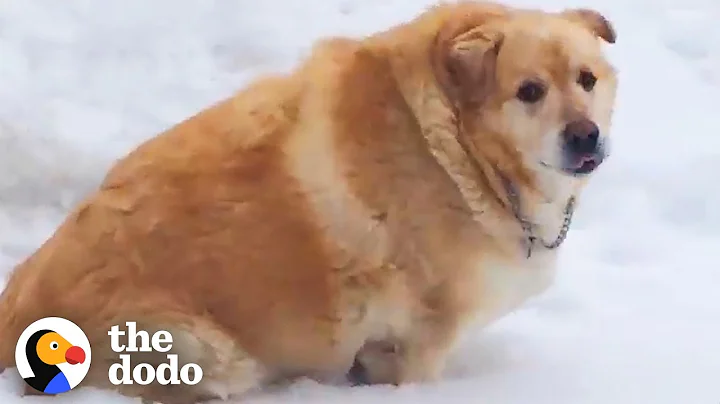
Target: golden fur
point(350, 210)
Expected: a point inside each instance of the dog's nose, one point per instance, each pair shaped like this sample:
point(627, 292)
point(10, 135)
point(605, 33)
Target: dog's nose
point(581, 136)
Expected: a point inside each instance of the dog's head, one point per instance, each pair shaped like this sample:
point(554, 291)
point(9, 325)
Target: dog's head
point(538, 82)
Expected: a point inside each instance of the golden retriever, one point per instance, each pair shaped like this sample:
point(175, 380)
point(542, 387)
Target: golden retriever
point(349, 218)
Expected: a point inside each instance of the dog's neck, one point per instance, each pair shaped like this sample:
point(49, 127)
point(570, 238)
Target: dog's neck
point(494, 193)
point(537, 229)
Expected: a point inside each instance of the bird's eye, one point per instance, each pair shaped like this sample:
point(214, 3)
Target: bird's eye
point(530, 92)
point(54, 345)
point(587, 80)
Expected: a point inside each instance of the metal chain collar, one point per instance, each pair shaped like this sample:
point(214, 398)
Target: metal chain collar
point(527, 226)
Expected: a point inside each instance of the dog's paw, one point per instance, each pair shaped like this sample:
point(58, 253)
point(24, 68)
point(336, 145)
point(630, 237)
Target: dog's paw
point(378, 362)
point(358, 375)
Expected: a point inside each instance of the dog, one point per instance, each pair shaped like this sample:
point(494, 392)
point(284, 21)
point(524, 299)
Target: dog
point(351, 217)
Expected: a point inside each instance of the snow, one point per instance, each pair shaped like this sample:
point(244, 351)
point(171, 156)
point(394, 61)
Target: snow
point(635, 314)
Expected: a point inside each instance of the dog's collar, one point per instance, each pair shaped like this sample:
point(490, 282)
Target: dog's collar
point(531, 239)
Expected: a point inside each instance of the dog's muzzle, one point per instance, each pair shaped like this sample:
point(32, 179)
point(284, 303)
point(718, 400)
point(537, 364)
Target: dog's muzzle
point(582, 148)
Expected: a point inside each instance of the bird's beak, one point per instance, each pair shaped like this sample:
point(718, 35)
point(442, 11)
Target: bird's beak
point(75, 355)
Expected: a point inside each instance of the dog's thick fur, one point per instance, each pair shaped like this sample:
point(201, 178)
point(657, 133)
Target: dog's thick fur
point(317, 218)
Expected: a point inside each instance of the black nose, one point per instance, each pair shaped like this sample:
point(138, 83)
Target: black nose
point(581, 136)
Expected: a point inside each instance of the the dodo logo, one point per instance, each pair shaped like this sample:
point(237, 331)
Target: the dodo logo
point(53, 355)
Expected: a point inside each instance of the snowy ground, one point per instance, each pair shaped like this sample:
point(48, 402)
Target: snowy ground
point(635, 315)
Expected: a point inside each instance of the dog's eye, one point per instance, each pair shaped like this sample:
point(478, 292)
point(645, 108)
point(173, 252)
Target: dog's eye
point(587, 80)
point(530, 92)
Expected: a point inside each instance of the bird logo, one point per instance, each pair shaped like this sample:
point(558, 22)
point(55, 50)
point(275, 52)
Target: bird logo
point(53, 355)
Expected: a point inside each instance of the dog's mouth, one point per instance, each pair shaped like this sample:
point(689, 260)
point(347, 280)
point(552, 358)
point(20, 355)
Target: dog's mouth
point(583, 164)
point(578, 165)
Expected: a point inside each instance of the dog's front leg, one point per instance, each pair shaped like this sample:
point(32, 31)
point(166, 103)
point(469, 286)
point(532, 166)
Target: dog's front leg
point(424, 352)
point(418, 357)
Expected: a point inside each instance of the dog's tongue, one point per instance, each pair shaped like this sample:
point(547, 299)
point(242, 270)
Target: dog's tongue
point(582, 159)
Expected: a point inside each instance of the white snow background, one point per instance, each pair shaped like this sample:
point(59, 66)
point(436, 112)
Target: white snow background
point(634, 317)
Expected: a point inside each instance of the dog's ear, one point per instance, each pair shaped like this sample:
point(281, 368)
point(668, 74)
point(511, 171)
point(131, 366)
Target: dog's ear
point(594, 21)
point(465, 56)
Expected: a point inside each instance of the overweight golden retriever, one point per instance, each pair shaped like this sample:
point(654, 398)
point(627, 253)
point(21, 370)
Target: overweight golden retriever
point(349, 218)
